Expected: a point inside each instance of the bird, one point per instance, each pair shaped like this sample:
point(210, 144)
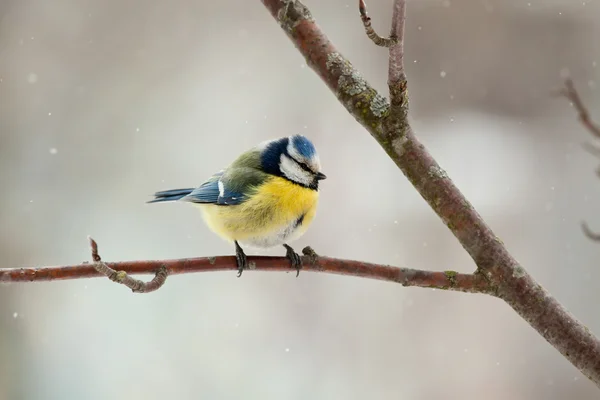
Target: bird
point(266, 197)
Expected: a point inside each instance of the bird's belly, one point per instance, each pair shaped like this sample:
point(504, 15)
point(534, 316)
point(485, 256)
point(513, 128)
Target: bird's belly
point(278, 213)
point(286, 234)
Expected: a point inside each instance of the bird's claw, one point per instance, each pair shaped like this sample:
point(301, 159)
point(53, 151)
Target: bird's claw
point(241, 259)
point(294, 258)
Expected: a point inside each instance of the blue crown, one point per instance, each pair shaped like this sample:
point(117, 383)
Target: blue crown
point(304, 146)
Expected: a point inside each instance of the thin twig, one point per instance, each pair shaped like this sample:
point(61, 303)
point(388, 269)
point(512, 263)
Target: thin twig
point(571, 93)
point(593, 150)
point(119, 271)
point(589, 233)
point(121, 276)
point(396, 76)
point(366, 20)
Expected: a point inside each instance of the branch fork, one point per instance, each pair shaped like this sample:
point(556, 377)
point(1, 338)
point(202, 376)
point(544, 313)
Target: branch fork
point(366, 20)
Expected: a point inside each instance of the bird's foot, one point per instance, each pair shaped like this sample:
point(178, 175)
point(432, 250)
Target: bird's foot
point(242, 260)
point(294, 258)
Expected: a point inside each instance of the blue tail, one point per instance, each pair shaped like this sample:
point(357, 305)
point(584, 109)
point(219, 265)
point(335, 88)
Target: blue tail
point(170, 195)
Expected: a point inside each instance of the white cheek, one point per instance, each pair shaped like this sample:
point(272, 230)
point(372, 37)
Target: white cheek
point(293, 171)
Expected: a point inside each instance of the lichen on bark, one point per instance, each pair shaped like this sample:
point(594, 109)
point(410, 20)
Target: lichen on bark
point(451, 275)
point(363, 102)
point(291, 14)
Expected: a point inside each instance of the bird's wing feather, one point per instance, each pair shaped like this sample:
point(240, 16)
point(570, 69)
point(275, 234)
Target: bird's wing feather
point(230, 187)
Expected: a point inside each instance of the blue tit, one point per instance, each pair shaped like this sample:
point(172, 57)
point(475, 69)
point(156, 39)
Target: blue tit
point(267, 197)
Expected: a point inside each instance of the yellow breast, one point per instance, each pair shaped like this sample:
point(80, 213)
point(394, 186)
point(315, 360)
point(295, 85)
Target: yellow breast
point(276, 204)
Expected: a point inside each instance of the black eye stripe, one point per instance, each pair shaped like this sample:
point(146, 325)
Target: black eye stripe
point(301, 164)
point(304, 167)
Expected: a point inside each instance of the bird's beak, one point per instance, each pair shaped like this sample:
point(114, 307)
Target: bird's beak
point(321, 176)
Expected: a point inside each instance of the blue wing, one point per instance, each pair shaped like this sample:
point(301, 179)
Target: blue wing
point(215, 191)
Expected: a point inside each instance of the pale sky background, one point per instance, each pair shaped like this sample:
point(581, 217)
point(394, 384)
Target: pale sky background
point(103, 103)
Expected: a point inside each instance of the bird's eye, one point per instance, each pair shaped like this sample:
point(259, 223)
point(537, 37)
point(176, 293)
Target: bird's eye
point(305, 167)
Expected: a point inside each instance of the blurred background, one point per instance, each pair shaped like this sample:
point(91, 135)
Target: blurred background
point(103, 103)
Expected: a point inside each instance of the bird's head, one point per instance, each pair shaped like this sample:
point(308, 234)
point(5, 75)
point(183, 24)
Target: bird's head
point(293, 158)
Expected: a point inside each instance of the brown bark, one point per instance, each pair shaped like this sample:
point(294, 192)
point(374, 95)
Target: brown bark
point(447, 280)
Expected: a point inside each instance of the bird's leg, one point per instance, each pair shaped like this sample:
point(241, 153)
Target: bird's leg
point(294, 258)
point(240, 256)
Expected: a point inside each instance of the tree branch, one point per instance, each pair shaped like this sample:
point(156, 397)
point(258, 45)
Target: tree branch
point(391, 128)
point(445, 280)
